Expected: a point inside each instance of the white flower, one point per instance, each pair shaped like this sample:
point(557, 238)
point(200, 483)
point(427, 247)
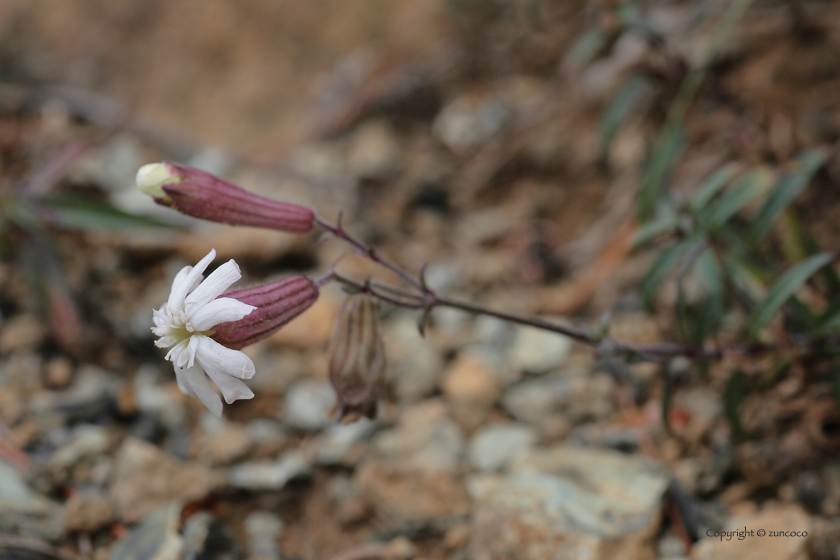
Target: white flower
point(185, 322)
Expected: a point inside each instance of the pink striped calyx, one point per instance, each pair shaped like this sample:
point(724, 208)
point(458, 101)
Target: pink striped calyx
point(199, 194)
point(276, 304)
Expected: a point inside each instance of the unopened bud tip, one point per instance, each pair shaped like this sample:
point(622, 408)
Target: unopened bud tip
point(152, 176)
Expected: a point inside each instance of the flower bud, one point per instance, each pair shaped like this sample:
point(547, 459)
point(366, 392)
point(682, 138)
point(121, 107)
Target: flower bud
point(276, 304)
point(202, 195)
point(357, 359)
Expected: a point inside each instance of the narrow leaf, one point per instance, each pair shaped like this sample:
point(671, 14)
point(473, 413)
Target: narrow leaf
point(621, 107)
point(784, 288)
point(744, 190)
point(662, 268)
point(668, 148)
point(710, 187)
point(732, 398)
point(91, 215)
point(585, 48)
point(785, 192)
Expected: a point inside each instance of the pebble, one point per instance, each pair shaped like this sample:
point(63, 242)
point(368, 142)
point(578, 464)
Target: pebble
point(334, 445)
point(263, 529)
point(269, 475)
point(233, 441)
point(87, 511)
point(415, 362)
point(470, 378)
point(374, 152)
point(25, 512)
point(568, 502)
point(156, 400)
point(494, 447)
point(424, 439)
point(22, 331)
point(145, 478)
point(410, 499)
point(468, 121)
point(538, 351)
point(308, 403)
point(87, 442)
point(155, 538)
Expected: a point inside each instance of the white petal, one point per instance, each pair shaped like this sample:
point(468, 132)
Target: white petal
point(192, 350)
point(178, 354)
point(232, 388)
point(200, 386)
point(215, 358)
point(186, 280)
point(165, 341)
point(183, 384)
point(212, 287)
point(219, 310)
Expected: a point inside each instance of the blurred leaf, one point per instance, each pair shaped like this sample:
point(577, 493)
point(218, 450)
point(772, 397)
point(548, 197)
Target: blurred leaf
point(621, 107)
point(784, 288)
point(710, 187)
point(586, 48)
point(665, 221)
point(733, 396)
point(90, 215)
point(709, 272)
point(663, 266)
point(630, 16)
point(669, 146)
point(785, 192)
point(744, 275)
point(829, 321)
point(744, 190)
point(797, 243)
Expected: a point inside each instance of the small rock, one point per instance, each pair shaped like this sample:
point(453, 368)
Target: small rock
point(157, 401)
point(308, 403)
point(87, 511)
point(334, 444)
point(268, 437)
point(206, 538)
point(569, 503)
point(263, 529)
point(424, 439)
point(231, 442)
point(374, 152)
point(470, 378)
point(155, 538)
point(410, 499)
point(87, 443)
point(145, 477)
point(269, 475)
point(21, 332)
point(59, 372)
point(495, 447)
point(773, 517)
point(25, 512)
point(538, 351)
point(469, 121)
point(414, 361)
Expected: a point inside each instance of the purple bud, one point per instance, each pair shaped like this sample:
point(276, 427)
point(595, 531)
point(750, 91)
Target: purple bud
point(202, 195)
point(276, 304)
point(357, 359)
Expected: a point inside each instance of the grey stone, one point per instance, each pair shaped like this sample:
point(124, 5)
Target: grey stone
point(155, 538)
point(269, 475)
point(333, 445)
point(25, 512)
point(538, 351)
point(495, 447)
point(308, 403)
point(263, 529)
point(568, 503)
point(415, 362)
point(424, 439)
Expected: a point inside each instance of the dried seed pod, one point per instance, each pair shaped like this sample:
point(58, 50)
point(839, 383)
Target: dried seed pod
point(357, 359)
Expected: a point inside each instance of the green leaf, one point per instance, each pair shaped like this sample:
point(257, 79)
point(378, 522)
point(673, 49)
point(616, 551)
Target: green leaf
point(733, 396)
point(710, 187)
point(662, 268)
point(586, 48)
point(665, 221)
point(90, 215)
point(784, 288)
point(785, 192)
point(744, 190)
point(668, 148)
point(621, 107)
